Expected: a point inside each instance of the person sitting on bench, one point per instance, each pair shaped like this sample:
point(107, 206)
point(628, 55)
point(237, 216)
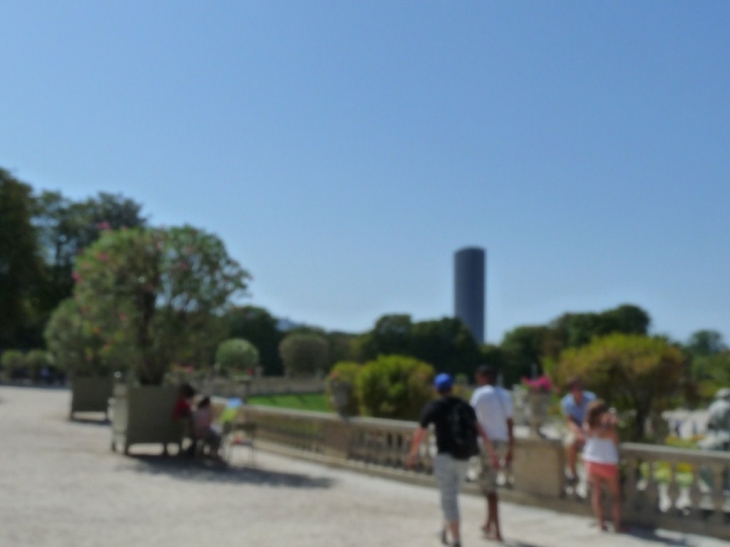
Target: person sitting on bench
point(203, 426)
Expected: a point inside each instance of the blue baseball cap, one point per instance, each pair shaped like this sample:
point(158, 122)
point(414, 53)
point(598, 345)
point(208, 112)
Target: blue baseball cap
point(443, 382)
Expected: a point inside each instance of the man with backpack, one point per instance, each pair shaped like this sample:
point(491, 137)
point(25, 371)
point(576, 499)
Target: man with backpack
point(457, 431)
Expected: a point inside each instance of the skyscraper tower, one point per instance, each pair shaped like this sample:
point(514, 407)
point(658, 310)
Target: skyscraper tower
point(469, 282)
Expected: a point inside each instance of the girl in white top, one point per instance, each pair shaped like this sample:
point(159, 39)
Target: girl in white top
point(601, 458)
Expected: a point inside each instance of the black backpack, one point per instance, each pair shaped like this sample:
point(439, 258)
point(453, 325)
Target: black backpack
point(464, 434)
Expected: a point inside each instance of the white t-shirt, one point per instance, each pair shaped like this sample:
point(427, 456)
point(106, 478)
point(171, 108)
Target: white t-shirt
point(600, 450)
point(493, 406)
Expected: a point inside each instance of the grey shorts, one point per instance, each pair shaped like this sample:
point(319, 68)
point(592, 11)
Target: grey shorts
point(488, 474)
point(450, 475)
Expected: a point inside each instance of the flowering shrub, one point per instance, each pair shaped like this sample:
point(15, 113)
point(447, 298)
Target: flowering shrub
point(395, 386)
point(543, 384)
point(157, 292)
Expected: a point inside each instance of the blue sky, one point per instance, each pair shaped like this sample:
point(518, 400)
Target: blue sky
point(344, 150)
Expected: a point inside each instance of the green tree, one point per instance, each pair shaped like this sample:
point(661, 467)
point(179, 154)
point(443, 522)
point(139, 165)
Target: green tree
point(522, 351)
point(161, 288)
point(392, 334)
point(342, 347)
point(304, 354)
point(577, 329)
point(36, 360)
point(20, 263)
point(631, 372)
point(706, 342)
point(447, 344)
point(259, 327)
point(67, 227)
point(13, 363)
point(395, 386)
point(236, 355)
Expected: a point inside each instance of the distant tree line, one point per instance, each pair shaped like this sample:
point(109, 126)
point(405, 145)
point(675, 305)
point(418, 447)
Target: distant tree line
point(44, 235)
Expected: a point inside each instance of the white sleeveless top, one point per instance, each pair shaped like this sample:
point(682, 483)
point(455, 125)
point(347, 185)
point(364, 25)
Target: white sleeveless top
point(598, 450)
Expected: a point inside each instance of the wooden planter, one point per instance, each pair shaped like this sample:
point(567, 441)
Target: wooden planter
point(144, 415)
point(91, 394)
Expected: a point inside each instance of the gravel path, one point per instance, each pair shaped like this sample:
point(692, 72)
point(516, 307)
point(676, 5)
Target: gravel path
point(60, 485)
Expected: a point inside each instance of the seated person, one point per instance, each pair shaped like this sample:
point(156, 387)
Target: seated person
point(203, 425)
point(183, 414)
point(182, 408)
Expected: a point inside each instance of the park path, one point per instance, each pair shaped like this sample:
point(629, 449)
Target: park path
point(60, 485)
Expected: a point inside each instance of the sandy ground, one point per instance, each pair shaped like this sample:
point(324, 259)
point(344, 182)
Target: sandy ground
point(60, 485)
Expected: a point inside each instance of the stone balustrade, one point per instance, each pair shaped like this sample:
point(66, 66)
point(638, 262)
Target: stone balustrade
point(683, 490)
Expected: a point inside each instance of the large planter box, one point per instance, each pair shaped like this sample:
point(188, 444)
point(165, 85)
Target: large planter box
point(91, 394)
point(144, 415)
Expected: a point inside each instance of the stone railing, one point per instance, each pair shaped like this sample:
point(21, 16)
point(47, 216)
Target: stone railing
point(683, 490)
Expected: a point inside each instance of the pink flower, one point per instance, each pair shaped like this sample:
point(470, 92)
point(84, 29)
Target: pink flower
point(102, 256)
point(76, 277)
point(103, 226)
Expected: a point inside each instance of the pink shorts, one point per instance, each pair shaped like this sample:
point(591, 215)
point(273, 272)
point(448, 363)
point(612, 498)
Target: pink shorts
point(606, 471)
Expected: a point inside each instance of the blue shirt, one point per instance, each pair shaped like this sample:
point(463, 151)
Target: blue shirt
point(574, 410)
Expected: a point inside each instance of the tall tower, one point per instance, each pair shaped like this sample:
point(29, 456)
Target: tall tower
point(469, 281)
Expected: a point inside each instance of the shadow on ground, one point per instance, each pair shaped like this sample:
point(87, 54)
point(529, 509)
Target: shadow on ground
point(90, 420)
point(665, 538)
point(210, 471)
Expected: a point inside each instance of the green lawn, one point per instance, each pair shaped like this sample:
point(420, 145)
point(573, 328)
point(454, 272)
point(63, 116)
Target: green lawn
point(310, 401)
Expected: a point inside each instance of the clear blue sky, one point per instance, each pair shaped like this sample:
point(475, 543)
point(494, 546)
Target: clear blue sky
point(344, 150)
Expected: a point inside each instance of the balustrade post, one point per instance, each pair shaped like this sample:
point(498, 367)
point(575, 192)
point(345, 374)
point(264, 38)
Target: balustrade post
point(652, 488)
point(718, 495)
point(695, 494)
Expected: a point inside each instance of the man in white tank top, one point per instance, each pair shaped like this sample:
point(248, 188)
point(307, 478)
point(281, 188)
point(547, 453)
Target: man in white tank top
point(493, 406)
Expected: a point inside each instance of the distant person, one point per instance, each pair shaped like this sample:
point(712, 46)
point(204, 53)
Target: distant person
point(574, 406)
point(203, 426)
point(601, 457)
point(493, 407)
point(457, 430)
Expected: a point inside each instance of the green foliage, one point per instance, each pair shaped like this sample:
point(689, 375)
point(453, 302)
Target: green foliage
point(526, 346)
point(66, 228)
point(345, 373)
point(522, 348)
point(391, 335)
point(161, 291)
point(83, 346)
point(236, 355)
point(343, 347)
point(304, 353)
point(706, 342)
point(395, 387)
point(446, 343)
point(12, 361)
point(711, 372)
point(20, 263)
point(36, 360)
point(631, 372)
point(259, 327)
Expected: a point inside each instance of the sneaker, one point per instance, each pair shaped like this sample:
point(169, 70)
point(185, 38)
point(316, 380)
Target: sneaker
point(444, 537)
